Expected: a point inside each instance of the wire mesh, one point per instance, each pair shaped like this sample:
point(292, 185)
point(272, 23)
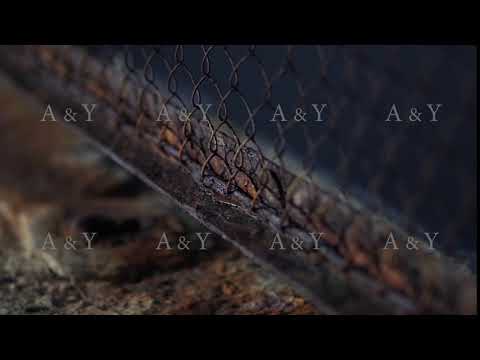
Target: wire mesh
point(355, 142)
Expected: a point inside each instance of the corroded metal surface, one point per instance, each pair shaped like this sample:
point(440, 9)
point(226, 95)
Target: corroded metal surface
point(53, 181)
point(350, 273)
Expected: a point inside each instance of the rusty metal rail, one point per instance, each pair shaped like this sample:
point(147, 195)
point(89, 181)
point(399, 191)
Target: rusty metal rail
point(240, 187)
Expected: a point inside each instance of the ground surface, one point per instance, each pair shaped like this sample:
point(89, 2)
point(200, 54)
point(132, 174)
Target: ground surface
point(54, 187)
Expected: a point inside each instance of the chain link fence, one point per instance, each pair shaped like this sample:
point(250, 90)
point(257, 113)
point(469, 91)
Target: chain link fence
point(361, 144)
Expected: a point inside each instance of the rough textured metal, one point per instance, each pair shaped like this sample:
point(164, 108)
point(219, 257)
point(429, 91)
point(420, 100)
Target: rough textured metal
point(230, 182)
point(57, 183)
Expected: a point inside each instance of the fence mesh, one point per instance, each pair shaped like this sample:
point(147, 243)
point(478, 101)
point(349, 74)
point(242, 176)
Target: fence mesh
point(355, 142)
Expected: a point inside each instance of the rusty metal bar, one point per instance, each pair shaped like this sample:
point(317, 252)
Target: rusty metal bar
point(229, 184)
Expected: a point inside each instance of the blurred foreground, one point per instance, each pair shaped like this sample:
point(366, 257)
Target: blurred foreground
point(53, 182)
